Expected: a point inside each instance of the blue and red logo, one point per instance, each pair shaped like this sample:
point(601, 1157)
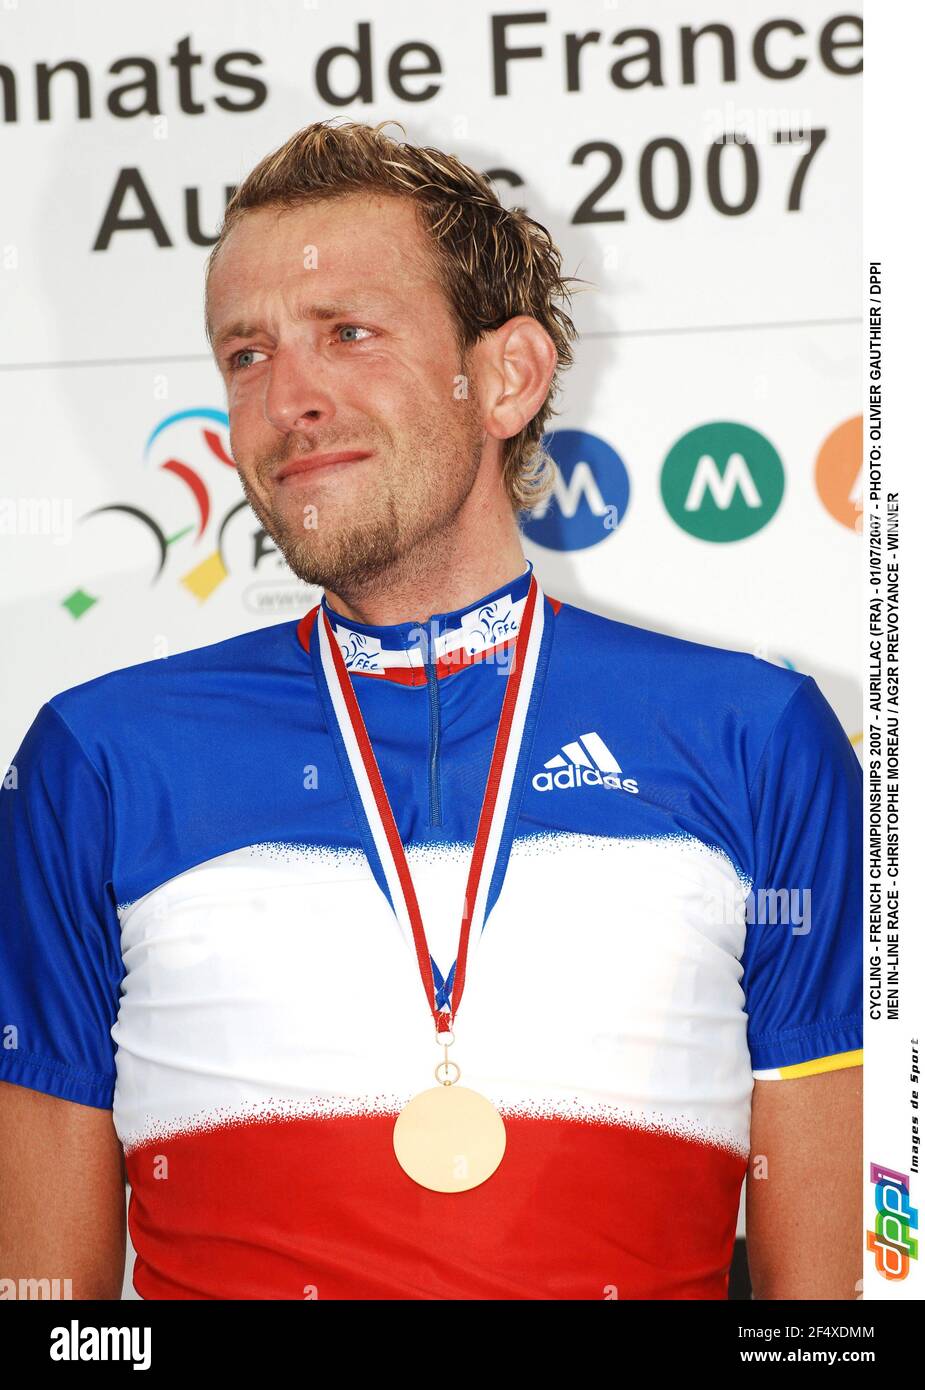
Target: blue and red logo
point(207, 571)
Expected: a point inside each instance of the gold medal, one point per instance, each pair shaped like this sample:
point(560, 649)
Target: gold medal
point(449, 1138)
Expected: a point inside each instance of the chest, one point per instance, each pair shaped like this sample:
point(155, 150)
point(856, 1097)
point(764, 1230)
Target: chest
point(605, 981)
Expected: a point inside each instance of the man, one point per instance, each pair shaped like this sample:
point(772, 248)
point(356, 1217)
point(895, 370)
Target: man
point(237, 867)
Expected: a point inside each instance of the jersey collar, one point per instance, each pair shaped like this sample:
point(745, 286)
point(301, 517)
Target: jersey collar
point(447, 641)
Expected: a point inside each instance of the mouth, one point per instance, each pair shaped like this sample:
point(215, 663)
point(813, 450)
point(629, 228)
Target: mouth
point(309, 465)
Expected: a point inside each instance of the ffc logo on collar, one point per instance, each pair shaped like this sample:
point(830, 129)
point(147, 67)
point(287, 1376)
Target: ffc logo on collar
point(479, 630)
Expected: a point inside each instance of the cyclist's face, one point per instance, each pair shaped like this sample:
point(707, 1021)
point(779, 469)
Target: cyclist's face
point(337, 347)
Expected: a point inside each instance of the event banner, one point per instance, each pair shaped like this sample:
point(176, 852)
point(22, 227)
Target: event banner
point(698, 166)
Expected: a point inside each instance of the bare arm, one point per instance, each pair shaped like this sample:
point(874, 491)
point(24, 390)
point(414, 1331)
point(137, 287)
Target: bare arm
point(62, 1193)
point(804, 1219)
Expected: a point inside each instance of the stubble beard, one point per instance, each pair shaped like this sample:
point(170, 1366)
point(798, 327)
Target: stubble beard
point(403, 521)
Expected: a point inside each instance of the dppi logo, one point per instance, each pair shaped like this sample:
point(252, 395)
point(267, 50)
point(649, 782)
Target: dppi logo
point(891, 1242)
point(590, 496)
point(204, 576)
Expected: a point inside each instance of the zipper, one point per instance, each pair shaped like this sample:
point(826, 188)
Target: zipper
point(433, 691)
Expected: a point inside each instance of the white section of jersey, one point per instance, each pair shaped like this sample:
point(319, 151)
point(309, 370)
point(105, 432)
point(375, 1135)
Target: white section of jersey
point(275, 980)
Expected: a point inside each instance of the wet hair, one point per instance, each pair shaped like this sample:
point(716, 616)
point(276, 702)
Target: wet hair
point(493, 263)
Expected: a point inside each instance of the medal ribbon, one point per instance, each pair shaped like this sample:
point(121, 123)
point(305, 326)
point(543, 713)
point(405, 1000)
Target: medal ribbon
point(489, 819)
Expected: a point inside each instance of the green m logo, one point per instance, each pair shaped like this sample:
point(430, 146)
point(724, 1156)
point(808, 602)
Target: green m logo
point(722, 481)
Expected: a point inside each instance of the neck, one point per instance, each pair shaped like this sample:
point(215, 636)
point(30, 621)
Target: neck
point(438, 576)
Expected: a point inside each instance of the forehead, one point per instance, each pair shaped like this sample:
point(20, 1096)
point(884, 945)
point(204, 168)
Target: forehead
point(367, 245)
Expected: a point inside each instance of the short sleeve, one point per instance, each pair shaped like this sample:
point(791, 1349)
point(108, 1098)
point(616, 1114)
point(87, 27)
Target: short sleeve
point(803, 956)
point(60, 955)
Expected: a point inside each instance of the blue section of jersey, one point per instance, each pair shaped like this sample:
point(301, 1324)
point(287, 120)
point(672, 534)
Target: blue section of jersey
point(60, 958)
point(803, 978)
point(126, 781)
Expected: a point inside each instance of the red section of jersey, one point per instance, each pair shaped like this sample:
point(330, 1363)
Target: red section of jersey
point(302, 1208)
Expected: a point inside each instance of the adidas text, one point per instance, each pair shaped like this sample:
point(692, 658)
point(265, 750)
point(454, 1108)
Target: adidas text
point(565, 778)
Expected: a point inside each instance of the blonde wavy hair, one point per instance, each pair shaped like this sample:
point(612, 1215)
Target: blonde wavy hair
point(492, 262)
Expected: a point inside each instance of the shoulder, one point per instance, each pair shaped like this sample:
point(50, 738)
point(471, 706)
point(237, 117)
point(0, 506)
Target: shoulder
point(136, 695)
point(676, 675)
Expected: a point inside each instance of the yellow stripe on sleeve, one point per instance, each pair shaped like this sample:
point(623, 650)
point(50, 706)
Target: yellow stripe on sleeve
point(821, 1064)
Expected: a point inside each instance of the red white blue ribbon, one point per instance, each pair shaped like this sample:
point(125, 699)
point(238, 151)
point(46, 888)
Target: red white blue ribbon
point(374, 797)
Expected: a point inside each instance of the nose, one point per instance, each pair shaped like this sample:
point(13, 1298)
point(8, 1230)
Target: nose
point(298, 392)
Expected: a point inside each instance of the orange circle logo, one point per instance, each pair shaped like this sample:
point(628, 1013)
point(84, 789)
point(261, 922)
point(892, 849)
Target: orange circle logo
point(838, 474)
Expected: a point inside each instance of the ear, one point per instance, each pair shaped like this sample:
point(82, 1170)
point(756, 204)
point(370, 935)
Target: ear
point(516, 363)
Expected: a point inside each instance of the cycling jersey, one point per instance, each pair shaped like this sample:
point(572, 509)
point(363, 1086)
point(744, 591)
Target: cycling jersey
point(198, 933)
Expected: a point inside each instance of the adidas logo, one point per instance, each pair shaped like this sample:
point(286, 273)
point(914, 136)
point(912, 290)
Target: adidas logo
point(587, 762)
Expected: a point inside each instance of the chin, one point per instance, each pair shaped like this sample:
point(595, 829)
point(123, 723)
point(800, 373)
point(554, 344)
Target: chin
point(315, 564)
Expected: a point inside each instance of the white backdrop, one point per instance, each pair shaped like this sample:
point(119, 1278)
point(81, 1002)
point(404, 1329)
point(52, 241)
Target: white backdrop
point(705, 316)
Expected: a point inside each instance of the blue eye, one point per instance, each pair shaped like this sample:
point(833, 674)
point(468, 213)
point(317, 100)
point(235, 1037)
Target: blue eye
point(236, 364)
point(351, 328)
